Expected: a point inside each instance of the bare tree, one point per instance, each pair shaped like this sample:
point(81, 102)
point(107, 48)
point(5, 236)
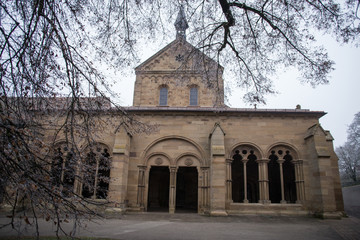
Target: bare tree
point(53, 55)
point(349, 153)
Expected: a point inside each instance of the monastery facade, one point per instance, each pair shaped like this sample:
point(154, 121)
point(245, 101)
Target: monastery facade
point(208, 158)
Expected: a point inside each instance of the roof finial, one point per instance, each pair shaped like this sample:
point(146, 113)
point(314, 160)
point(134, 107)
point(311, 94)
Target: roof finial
point(181, 24)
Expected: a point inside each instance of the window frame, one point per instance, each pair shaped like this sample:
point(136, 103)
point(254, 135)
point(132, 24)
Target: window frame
point(163, 96)
point(194, 93)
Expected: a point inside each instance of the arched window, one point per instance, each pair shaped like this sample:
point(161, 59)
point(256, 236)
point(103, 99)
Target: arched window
point(245, 188)
point(274, 178)
point(163, 96)
point(63, 169)
point(96, 173)
point(281, 172)
point(193, 96)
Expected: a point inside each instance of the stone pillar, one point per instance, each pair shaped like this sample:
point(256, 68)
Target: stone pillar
point(141, 187)
point(119, 169)
point(323, 192)
point(228, 181)
point(204, 201)
point(245, 180)
point(172, 193)
point(281, 161)
point(218, 184)
point(299, 180)
point(263, 180)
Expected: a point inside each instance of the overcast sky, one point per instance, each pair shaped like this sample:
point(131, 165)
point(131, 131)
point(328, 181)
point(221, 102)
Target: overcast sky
point(340, 99)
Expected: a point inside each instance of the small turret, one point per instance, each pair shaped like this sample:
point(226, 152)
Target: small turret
point(181, 24)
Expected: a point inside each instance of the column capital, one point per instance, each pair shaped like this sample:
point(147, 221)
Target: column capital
point(280, 161)
point(264, 160)
point(229, 160)
point(142, 167)
point(245, 160)
point(297, 161)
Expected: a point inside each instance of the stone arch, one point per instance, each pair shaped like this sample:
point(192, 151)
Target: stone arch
point(189, 159)
point(283, 146)
point(245, 172)
point(156, 178)
point(158, 159)
point(248, 146)
point(63, 168)
point(284, 179)
point(158, 141)
point(95, 171)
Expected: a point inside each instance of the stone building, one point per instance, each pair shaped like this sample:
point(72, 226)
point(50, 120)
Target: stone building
point(212, 159)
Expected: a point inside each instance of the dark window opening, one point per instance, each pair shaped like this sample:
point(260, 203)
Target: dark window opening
point(274, 179)
point(237, 173)
point(289, 179)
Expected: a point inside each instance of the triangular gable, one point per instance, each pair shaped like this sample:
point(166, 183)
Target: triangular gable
point(217, 125)
point(173, 56)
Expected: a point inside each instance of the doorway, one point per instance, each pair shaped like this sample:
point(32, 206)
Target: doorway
point(187, 189)
point(159, 182)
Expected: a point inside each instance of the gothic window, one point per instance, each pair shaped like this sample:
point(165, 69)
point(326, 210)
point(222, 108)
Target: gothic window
point(96, 173)
point(274, 178)
point(289, 179)
point(193, 96)
point(245, 189)
point(163, 96)
point(282, 187)
point(63, 169)
point(237, 173)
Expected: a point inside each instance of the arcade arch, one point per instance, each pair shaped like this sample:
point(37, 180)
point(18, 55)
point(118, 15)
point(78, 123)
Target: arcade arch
point(176, 164)
point(285, 172)
point(85, 172)
point(245, 174)
point(278, 178)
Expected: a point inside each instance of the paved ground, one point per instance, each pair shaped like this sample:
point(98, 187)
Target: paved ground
point(352, 200)
point(192, 226)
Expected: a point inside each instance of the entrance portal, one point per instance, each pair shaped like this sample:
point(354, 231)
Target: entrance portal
point(187, 189)
point(159, 182)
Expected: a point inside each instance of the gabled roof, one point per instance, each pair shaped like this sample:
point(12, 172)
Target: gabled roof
point(190, 50)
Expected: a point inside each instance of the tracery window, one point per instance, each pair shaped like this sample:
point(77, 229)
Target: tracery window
point(193, 96)
point(63, 167)
point(245, 176)
point(96, 173)
point(88, 176)
point(163, 96)
point(281, 172)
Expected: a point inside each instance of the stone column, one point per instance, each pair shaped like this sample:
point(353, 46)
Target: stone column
point(204, 201)
point(172, 193)
point(120, 168)
point(263, 180)
point(245, 180)
point(228, 180)
point(281, 161)
point(141, 187)
point(299, 180)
